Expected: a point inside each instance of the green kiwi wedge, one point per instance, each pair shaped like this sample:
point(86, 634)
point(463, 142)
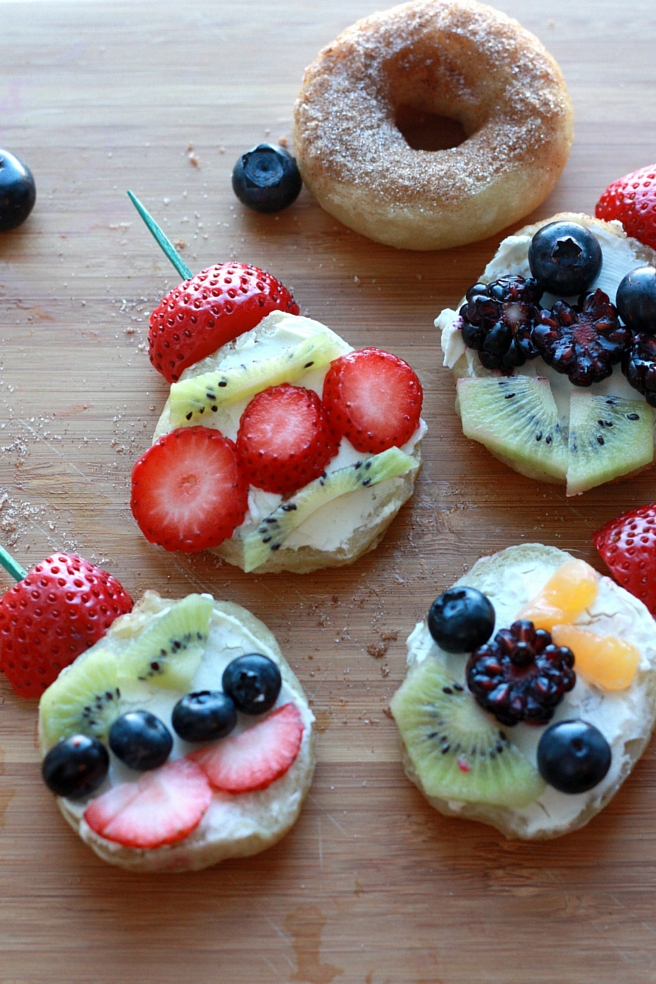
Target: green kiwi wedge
point(608, 437)
point(84, 699)
point(168, 651)
point(276, 527)
point(195, 399)
point(517, 419)
point(457, 750)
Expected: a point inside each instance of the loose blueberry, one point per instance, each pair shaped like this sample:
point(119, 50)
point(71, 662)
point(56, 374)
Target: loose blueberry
point(204, 716)
point(636, 300)
point(461, 619)
point(253, 682)
point(140, 740)
point(573, 756)
point(564, 258)
point(75, 766)
point(266, 178)
point(17, 191)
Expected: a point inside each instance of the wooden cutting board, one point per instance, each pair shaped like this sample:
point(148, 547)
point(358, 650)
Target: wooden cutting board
point(371, 886)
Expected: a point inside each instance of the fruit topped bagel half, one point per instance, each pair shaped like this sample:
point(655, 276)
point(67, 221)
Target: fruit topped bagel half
point(530, 693)
point(180, 739)
point(284, 450)
point(554, 353)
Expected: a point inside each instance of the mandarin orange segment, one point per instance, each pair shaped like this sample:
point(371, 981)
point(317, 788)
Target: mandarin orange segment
point(604, 660)
point(568, 592)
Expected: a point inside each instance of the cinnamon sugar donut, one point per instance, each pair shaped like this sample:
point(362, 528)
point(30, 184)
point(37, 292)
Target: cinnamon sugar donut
point(453, 58)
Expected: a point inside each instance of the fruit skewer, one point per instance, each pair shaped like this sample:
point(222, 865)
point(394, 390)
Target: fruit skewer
point(207, 309)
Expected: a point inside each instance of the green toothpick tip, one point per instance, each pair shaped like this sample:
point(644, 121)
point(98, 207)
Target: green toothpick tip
point(9, 564)
point(162, 240)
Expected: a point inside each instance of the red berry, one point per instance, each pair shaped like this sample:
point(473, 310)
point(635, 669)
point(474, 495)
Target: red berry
point(632, 200)
point(283, 440)
point(214, 307)
point(257, 756)
point(628, 545)
point(162, 807)
point(188, 490)
point(373, 398)
point(59, 610)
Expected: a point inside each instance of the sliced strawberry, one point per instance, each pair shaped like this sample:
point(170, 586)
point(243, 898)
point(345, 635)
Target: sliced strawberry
point(162, 807)
point(632, 200)
point(373, 398)
point(283, 440)
point(628, 545)
point(210, 309)
point(188, 490)
point(257, 756)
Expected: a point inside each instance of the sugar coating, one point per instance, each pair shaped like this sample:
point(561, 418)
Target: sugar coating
point(454, 58)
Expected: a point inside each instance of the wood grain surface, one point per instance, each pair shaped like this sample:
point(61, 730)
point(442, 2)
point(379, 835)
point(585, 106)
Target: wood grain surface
point(371, 886)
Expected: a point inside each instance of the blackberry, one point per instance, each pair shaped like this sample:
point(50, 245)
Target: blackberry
point(639, 365)
point(521, 675)
point(583, 341)
point(498, 321)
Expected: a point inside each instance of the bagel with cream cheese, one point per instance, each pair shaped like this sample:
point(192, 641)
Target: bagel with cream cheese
point(233, 807)
point(623, 711)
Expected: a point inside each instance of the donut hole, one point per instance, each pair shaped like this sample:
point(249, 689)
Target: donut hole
point(424, 130)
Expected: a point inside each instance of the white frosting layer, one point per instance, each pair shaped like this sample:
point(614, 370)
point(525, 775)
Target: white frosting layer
point(620, 255)
point(622, 717)
point(332, 526)
point(232, 820)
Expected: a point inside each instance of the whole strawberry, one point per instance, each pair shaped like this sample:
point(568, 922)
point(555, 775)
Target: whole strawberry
point(628, 545)
point(632, 200)
point(208, 310)
point(57, 611)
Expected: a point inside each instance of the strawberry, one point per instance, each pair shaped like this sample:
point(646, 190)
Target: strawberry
point(373, 398)
point(57, 611)
point(161, 807)
point(256, 757)
point(632, 200)
point(214, 307)
point(628, 545)
point(188, 490)
point(283, 440)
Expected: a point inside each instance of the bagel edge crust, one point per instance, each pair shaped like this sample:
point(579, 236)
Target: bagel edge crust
point(455, 58)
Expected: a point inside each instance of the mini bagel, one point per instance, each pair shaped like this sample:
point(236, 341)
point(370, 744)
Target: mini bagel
point(454, 58)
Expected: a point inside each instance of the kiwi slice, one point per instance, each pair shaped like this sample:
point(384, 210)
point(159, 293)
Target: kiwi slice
point(274, 530)
point(204, 394)
point(168, 651)
point(84, 699)
point(517, 419)
point(90, 694)
point(608, 437)
point(457, 750)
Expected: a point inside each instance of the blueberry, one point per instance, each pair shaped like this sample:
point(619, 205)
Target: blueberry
point(564, 258)
point(253, 682)
point(75, 766)
point(573, 756)
point(17, 191)
point(204, 716)
point(140, 740)
point(636, 300)
point(461, 619)
point(266, 178)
